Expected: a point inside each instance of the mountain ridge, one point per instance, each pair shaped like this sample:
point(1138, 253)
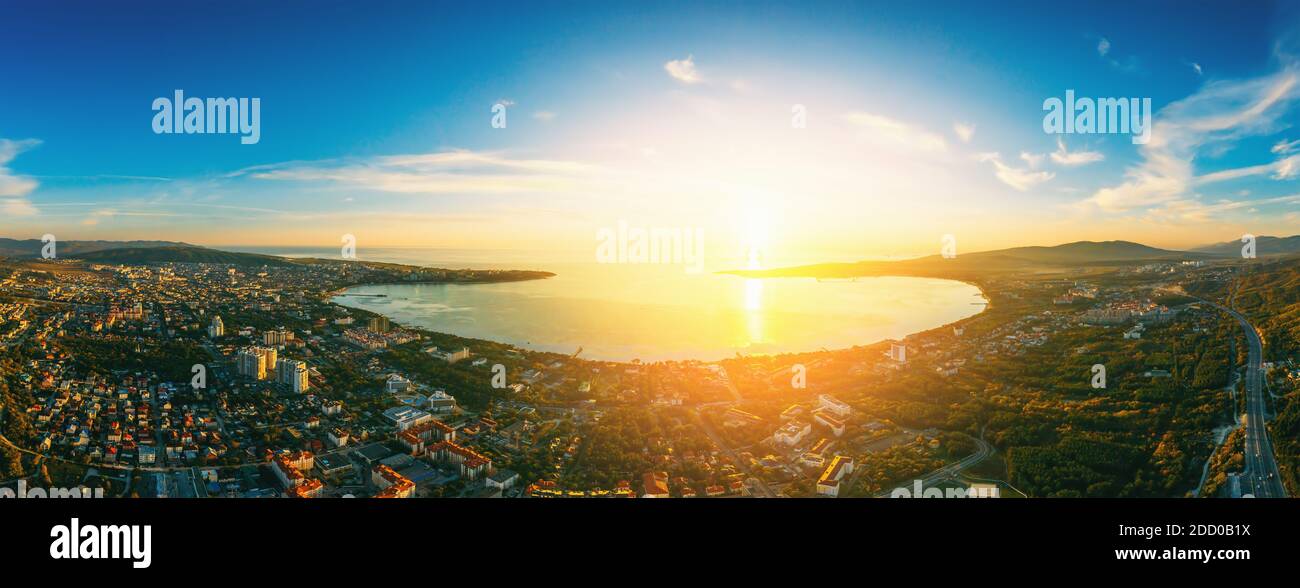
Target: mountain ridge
point(1265, 245)
point(972, 265)
point(32, 247)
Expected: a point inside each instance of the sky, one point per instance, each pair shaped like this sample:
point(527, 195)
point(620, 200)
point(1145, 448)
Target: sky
point(805, 131)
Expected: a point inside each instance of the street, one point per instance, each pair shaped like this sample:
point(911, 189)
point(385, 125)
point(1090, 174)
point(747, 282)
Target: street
point(1261, 475)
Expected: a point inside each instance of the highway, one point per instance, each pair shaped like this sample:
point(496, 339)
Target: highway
point(1261, 475)
point(951, 470)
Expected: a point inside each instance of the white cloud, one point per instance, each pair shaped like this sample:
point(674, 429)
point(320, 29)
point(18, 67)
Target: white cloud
point(1190, 210)
point(443, 172)
point(964, 131)
point(683, 70)
point(544, 115)
point(1285, 147)
point(13, 185)
point(1063, 157)
point(1287, 168)
point(1127, 64)
point(895, 133)
point(95, 216)
point(17, 207)
point(1033, 159)
point(1019, 178)
point(1219, 113)
point(1196, 67)
point(1283, 169)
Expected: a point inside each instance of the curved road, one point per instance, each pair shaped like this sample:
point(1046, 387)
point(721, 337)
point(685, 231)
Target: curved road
point(1261, 473)
point(982, 452)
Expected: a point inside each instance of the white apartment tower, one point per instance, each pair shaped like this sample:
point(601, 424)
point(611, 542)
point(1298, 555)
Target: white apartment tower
point(294, 373)
point(251, 364)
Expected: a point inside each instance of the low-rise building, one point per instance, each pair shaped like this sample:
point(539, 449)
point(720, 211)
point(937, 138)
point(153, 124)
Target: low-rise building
point(834, 405)
point(792, 433)
point(503, 479)
point(390, 483)
point(405, 417)
point(656, 485)
point(829, 482)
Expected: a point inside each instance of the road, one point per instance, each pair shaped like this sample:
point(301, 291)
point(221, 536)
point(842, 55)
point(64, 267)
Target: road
point(952, 470)
point(763, 489)
point(731, 387)
point(1261, 475)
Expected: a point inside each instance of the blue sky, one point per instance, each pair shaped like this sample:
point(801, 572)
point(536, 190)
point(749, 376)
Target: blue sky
point(923, 119)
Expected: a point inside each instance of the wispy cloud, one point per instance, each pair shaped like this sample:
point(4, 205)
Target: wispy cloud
point(457, 171)
point(894, 132)
point(1021, 179)
point(1219, 113)
point(1282, 169)
point(544, 116)
point(14, 188)
point(108, 177)
point(683, 70)
point(1190, 210)
point(965, 131)
point(1285, 147)
point(1128, 64)
point(95, 216)
point(17, 207)
point(1062, 156)
point(12, 185)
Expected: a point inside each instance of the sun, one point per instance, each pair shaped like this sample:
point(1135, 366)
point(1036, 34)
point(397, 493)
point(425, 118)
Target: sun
point(755, 235)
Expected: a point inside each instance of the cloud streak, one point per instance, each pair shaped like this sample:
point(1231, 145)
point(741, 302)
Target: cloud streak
point(683, 70)
point(444, 172)
point(965, 131)
point(1062, 156)
point(1021, 179)
point(1218, 114)
point(14, 188)
point(895, 133)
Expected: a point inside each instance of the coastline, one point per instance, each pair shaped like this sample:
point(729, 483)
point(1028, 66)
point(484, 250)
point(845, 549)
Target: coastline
point(980, 287)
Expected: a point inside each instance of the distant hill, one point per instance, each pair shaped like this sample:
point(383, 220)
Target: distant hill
point(23, 248)
point(179, 254)
point(1264, 246)
point(969, 265)
point(149, 252)
point(1091, 252)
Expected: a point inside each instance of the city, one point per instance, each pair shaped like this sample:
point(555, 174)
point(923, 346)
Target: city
point(196, 380)
point(772, 264)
